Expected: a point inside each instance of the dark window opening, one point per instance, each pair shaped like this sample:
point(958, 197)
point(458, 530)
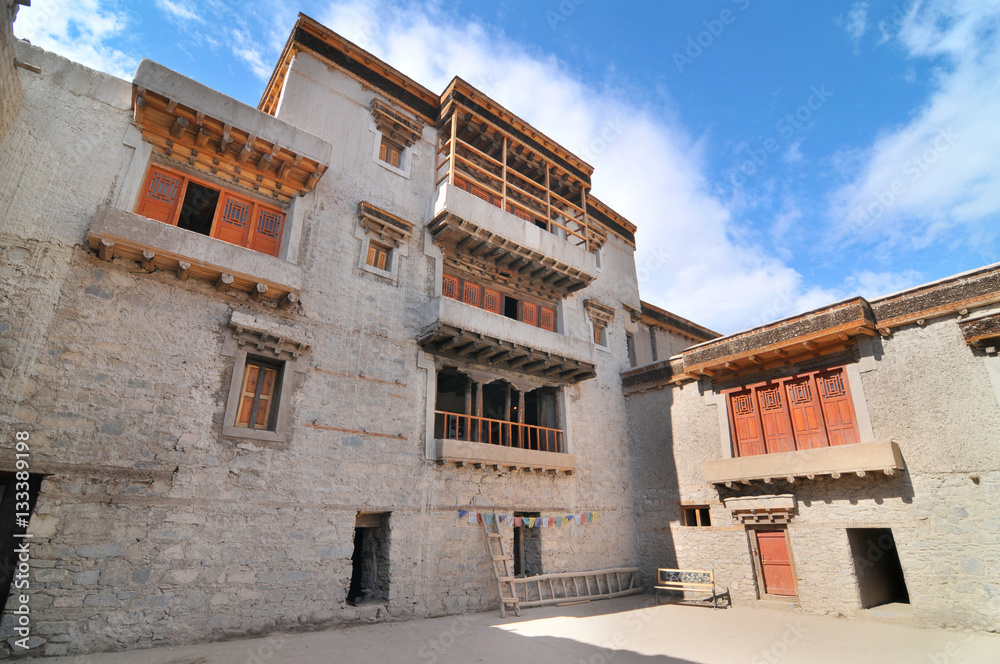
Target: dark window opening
point(510, 307)
point(697, 516)
point(370, 560)
point(876, 563)
point(630, 347)
point(12, 492)
point(652, 342)
point(527, 548)
point(198, 209)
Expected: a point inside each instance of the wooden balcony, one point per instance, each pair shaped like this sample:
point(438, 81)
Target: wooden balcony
point(836, 461)
point(482, 442)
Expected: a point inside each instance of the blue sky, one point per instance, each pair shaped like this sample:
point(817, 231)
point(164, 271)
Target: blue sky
point(776, 156)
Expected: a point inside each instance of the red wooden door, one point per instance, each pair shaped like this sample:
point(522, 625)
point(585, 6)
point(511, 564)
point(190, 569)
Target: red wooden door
point(266, 236)
point(491, 300)
point(449, 287)
point(470, 294)
point(529, 313)
point(807, 418)
point(161, 196)
point(233, 224)
point(746, 423)
point(837, 409)
point(774, 417)
point(775, 564)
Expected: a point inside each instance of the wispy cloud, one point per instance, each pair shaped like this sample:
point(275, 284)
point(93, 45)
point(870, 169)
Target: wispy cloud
point(919, 182)
point(178, 10)
point(78, 30)
point(693, 256)
point(856, 22)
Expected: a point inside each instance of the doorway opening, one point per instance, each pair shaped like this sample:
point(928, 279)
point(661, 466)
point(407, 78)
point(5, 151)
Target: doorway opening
point(13, 493)
point(876, 563)
point(370, 561)
point(527, 547)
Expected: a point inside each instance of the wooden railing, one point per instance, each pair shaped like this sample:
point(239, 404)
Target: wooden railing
point(510, 188)
point(457, 426)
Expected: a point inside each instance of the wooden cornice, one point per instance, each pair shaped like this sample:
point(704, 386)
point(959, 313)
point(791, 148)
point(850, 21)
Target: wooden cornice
point(385, 225)
point(601, 314)
point(212, 145)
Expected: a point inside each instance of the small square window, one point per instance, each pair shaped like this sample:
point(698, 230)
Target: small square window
point(259, 395)
point(379, 256)
point(697, 516)
point(390, 153)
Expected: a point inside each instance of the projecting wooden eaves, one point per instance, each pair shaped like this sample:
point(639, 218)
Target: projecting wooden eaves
point(386, 226)
point(464, 238)
point(195, 126)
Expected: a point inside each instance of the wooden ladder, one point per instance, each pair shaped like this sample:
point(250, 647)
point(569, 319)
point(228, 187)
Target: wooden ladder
point(504, 575)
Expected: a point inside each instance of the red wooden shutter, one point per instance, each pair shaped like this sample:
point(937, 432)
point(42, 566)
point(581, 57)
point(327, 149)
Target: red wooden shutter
point(266, 236)
point(775, 563)
point(837, 409)
point(470, 294)
point(807, 417)
point(461, 183)
point(548, 319)
point(481, 193)
point(774, 417)
point(746, 423)
point(161, 196)
point(266, 399)
point(529, 313)
point(449, 287)
point(491, 300)
point(247, 395)
point(233, 224)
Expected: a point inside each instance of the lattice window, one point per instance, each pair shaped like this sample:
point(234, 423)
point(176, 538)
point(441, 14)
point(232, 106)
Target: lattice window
point(491, 300)
point(742, 405)
point(471, 294)
point(449, 286)
point(548, 319)
point(770, 398)
point(529, 313)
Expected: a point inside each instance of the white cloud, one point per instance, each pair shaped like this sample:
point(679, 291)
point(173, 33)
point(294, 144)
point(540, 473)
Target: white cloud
point(918, 182)
point(178, 10)
point(793, 154)
point(78, 30)
point(249, 51)
point(871, 285)
point(856, 22)
point(692, 258)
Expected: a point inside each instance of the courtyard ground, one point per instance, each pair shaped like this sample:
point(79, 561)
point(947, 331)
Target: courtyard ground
point(623, 631)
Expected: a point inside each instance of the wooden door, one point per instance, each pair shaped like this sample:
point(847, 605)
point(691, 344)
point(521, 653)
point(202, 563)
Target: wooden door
point(774, 561)
point(233, 223)
point(837, 408)
point(161, 196)
point(774, 417)
point(807, 417)
point(266, 236)
point(746, 423)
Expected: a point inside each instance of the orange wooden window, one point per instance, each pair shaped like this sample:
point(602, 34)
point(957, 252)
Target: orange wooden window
point(470, 294)
point(390, 153)
point(491, 300)
point(548, 319)
point(529, 313)
point(775, 563)
point(461, 183)
point(518, 212)
point(795, 413)
point(236, 219)
point(378, 255)
point(837, 409)
point(807, 418)
point(257, 398)
point(480, 193)
point(161, 196)
point(774, 417)
point(449, 286)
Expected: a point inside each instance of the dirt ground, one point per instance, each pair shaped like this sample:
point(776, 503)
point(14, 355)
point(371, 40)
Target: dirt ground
point(628, 630)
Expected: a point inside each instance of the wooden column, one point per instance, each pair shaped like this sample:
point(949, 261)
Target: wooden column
point(503, 189)
point(520, 406)
point(454, 144)
point(586, 220)
point(548, 198)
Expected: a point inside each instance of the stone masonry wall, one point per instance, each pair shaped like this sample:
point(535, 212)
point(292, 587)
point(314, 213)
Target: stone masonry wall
point(150, 527)
point(10, 84)
point(931, 394)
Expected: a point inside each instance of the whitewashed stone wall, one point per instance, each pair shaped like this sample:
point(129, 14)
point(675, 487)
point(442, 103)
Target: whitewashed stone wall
point(10, 84)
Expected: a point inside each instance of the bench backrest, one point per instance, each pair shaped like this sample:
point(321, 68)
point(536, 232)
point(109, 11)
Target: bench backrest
point(685, 578)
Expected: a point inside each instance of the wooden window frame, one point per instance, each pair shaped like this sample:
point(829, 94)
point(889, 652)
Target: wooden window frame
point(770, 442)
point(379, 256)
point(254, 237)
point(693, 513)
point(459, 284)
point(273, 399)
point(391, 152)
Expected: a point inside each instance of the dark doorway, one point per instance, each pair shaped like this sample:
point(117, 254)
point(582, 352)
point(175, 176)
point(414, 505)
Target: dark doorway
point(510, 307)
point(527, 547)
point(198, 210)
point(10, 529)
point(370, 561)
point(876, 563)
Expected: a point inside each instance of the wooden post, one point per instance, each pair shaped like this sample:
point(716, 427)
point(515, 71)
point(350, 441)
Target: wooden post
point(586, 216)
point(288, 301)
point(106, 250)
point(183, 268)
point(257, 294)
point(147, 260)
point(503, 189)
point(548, 198)
point(454, 143)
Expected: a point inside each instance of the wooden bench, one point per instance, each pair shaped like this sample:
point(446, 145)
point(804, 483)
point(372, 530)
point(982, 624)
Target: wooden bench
point(690, 579)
